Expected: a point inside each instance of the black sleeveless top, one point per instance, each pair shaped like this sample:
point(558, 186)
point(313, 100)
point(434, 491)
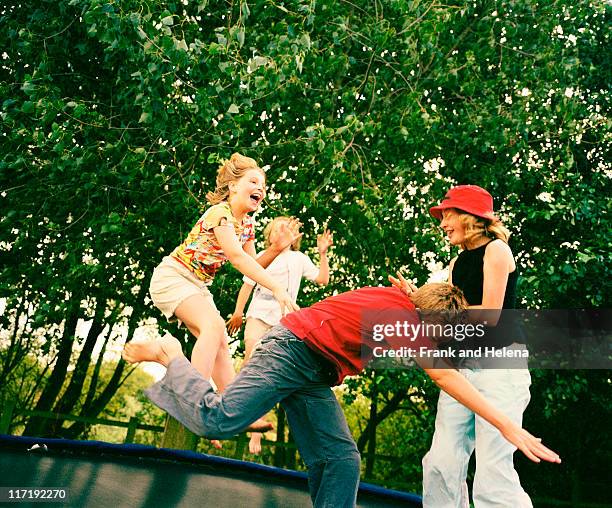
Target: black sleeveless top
point(468, 275)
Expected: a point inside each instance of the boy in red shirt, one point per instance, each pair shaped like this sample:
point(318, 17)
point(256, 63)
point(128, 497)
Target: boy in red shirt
point(296, 363)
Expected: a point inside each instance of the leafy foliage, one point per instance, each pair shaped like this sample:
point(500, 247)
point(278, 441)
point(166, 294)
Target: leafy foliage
point(116, 113)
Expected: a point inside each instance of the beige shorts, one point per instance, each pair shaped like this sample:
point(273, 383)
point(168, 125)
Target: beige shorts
point(172, 284)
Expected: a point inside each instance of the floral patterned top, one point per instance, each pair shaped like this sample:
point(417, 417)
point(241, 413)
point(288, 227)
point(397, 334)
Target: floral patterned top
point(201, 252)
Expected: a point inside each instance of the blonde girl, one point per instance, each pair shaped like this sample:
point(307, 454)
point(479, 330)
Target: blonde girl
point(225, 232)
point(287, 269)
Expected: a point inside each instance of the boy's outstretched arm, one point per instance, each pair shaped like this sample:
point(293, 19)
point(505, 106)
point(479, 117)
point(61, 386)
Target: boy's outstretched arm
point(458, 387)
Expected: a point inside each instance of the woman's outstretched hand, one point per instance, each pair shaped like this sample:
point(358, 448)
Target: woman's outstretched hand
point(530, 445)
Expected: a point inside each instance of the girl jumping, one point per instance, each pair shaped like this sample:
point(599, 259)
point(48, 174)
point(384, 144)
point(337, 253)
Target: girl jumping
point(225, 232)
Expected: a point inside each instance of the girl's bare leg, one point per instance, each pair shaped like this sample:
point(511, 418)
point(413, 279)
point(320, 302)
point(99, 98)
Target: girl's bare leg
point(205, 323)
point(223, 370)
point(163, 351)
point(254, 330)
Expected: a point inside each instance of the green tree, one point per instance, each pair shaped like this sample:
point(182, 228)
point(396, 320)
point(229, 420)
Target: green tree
point(116, 113)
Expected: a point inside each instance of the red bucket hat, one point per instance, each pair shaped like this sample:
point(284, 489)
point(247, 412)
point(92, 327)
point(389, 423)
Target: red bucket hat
point(467, 198)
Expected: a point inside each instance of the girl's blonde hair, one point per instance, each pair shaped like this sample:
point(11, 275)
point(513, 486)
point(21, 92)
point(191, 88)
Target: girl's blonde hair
point(272, 224)
point(231, 170)
point(476, 227)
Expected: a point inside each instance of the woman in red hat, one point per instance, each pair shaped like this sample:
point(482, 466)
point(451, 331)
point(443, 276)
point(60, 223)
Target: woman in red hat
point(486, 272)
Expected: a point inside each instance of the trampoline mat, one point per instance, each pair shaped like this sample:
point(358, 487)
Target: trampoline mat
point(112, 480)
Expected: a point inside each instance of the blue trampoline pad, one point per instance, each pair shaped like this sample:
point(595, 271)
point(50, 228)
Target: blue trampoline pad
point(101, 474)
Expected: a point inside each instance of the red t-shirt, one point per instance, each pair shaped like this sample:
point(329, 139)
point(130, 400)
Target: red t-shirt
point(346, 328)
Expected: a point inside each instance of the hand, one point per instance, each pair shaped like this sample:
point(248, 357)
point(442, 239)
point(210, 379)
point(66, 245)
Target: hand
point(287, 233)
point(406, 286)
point(530, 445)
point(325, 241)
point(234, 323)
point(284, 300)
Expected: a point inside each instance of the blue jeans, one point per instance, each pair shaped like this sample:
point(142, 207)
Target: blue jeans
point(282, 369)
point(459, 432)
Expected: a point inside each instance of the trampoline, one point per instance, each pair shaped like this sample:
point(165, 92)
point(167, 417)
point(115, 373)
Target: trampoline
point(108, 475)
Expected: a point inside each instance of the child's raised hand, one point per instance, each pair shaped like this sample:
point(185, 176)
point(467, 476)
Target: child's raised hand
point(325, 241)
point(234, 323)
point(406, 286)
point(287, 233)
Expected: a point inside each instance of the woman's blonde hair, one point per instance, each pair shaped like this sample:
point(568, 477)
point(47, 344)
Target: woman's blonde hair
point(274, 223)
point(477, 227)
point(231, 170)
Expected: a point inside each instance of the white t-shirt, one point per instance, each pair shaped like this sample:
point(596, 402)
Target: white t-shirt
point(287, 270)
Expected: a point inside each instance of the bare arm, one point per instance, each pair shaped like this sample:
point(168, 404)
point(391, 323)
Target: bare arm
point(323, 278)
point(235, 322)
point(451, 265)
point(497, 265)
point(246, 265)
point(287, 234)
point(267, 256)
point(458, 387)
point(324, 242)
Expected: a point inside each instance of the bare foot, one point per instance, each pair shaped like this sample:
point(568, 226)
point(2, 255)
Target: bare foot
point(216, 444)
point(260, 425)
point(255, 443)
point(160, 351)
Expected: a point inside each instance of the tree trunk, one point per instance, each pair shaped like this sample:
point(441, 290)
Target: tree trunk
point(13, 356)
point(54, 384)
point(71, 396)
point(290, 454)
point(95, 375)
point(95, 406)
point(18, 349)
point(177, 436)
point(98, 405)
point(390, 407)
